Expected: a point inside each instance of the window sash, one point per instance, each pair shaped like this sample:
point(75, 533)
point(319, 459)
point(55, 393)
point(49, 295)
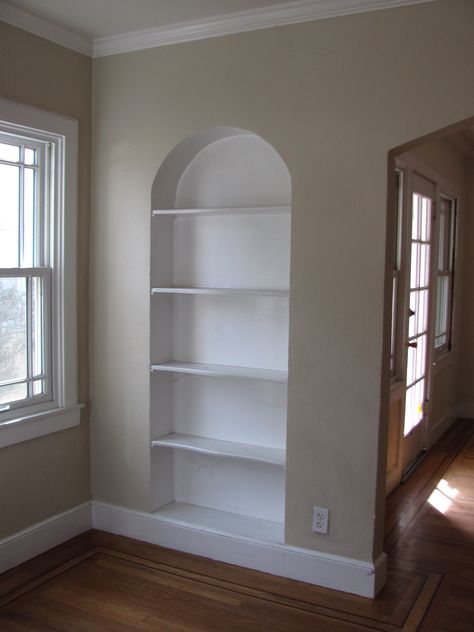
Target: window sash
point(444, 275)
point(38, 350)
point(37, 252)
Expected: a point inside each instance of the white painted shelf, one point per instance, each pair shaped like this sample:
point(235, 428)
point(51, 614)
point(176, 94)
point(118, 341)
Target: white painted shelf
point(221, 291)
point(221, 370)
point(217, 447)
point(235, 210)
point(221, 522)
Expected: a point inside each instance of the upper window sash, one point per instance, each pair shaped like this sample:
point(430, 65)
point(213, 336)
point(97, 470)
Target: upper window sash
point(24, 180)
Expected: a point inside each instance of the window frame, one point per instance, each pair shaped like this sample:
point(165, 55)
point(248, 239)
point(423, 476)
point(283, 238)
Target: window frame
point(62, 410)
point(445, 348)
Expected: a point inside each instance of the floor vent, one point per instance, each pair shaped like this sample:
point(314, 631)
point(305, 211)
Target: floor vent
point(408, 471)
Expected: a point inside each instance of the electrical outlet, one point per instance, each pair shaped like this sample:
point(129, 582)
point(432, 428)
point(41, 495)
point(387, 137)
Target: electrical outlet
point(320, 520)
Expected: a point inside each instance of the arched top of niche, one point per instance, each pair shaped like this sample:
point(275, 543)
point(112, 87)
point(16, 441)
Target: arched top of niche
point(222, 167)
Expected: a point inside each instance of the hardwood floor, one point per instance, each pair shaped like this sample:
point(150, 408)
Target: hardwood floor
point(431, 527)
point(102, 582)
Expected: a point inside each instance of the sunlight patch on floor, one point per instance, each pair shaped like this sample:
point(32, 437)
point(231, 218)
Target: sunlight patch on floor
point(442, 497)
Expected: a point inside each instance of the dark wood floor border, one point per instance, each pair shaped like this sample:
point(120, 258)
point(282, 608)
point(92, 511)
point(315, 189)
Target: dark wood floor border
point(420, 608)
point(337, 614)
point(23, 590)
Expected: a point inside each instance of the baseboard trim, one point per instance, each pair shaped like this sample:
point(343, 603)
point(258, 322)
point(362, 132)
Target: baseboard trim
point(466, 410)
point(43, 536)
point(322, 569)
point(442, 425)
point(331, 571)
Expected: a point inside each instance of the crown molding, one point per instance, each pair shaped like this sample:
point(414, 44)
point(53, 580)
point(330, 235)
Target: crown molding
point(250, 20)
point(46, 29)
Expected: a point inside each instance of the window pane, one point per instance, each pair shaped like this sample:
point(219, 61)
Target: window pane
point(421, 216)
point(415, 227)
point(37, 319)
point(13, 338)
point(420, 265)
point(418, 322)
point(9, 216)
point(416, 360)
point(442, 246)
point(30, 156)
point(12, 393)
point(38, 387)
point(9, 152)
point(414, 406)
point(442, 296)
point(29, 219)
point(425, 218)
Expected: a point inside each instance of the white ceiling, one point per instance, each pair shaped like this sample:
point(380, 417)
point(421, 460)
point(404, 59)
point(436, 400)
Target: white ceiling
point(103, 18)
point(105, 27)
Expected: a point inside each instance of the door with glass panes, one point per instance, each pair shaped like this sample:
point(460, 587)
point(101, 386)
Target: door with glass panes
point(418, 338)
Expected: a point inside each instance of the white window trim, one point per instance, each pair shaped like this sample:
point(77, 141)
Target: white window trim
point(63, 411)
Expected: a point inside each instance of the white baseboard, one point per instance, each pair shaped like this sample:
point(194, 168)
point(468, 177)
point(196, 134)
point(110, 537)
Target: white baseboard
point(466, 410)
point(442, 425)
point(322, 569)
point(43, 536)
point(330, 571)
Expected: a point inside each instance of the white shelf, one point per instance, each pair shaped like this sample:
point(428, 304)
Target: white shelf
point(221, 370)
point(220, 291)
point(221, 522)
point(218, 447)
point(235, 210)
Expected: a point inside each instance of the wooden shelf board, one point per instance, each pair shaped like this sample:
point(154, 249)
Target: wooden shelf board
point(221, 370)
point(221, 522)
point(218, 291)
point(218, 447)
point(235, 210)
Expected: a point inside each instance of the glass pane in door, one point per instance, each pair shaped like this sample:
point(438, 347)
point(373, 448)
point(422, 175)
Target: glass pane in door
point(419, 300)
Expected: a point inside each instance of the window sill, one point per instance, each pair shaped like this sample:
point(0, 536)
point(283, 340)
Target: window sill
point(39, 424)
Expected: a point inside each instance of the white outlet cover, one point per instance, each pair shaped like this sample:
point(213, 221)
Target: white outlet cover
point(321, 520)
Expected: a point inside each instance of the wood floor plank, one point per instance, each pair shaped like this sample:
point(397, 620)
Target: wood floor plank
point(101, 582)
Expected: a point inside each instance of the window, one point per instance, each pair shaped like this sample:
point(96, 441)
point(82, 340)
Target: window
point(444, 274)
point(37, 273)
point(25, 273)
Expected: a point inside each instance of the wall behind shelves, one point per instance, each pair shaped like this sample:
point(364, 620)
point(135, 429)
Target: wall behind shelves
point(332, 97)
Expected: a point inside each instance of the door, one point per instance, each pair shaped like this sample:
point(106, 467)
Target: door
point(418, 343)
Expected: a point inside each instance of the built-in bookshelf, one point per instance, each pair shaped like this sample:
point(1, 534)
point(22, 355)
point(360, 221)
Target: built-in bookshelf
point(219, 339)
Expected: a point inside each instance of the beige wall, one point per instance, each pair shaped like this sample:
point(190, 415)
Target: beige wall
point(333, 97)
point(42, 477)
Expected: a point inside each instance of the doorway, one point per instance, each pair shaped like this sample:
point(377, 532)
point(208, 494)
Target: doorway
point(431, 221)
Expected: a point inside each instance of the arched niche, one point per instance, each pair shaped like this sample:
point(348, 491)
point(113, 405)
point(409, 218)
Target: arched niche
point(222, 167)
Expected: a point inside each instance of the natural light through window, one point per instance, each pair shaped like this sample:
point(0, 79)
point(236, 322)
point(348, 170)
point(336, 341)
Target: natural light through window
point(442, 497)
point(418, 322)
point(444, 273)
point(24, 272)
